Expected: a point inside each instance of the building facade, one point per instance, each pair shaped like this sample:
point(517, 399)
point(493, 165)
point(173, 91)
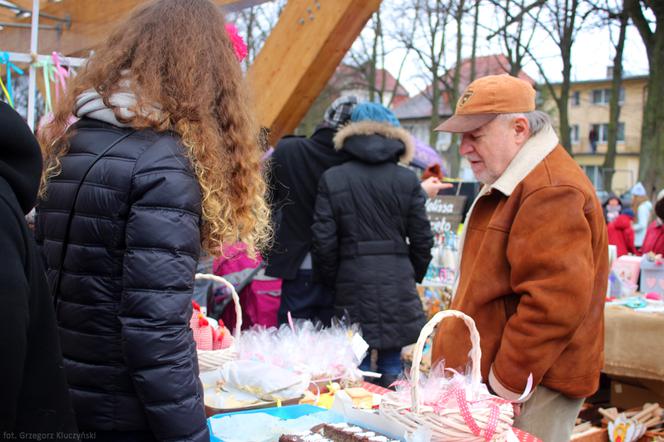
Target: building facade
point(589, 121)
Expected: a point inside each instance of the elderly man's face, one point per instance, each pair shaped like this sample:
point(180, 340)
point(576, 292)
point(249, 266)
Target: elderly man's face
point(491, 148)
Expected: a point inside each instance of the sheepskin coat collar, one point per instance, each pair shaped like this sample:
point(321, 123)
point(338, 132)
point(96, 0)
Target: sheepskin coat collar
point(374, 142)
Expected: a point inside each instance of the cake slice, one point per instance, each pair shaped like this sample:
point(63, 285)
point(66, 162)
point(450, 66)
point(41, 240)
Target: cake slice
point(349, 433)
point(307, 436)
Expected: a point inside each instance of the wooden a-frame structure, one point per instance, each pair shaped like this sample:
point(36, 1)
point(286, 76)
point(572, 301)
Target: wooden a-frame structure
point(297, 60)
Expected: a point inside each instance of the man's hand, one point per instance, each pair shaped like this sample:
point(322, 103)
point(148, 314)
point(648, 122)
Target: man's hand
point(433, 185)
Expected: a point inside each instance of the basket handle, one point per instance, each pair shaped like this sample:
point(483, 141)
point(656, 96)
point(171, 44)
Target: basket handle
point(234, 295)
point(475, 352)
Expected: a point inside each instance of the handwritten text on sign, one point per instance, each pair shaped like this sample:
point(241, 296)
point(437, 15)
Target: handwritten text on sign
point(445, 213)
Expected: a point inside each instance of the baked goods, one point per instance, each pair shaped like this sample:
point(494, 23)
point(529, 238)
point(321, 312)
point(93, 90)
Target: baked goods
point(361, 397)
point(337, 433)
point(303, 437)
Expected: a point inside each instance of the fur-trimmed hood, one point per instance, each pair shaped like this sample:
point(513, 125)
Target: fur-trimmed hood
point(375, 142)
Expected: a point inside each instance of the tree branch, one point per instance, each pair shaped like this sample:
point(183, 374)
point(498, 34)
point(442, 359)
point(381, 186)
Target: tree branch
point(517, 17)
point(633, 8)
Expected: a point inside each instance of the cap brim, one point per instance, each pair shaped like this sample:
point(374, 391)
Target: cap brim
point(465, 123)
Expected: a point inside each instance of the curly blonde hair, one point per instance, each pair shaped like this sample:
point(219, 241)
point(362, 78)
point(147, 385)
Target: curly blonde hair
point(177, 56)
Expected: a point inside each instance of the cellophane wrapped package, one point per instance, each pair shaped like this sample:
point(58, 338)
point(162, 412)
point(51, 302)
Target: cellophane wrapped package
point(304, 347)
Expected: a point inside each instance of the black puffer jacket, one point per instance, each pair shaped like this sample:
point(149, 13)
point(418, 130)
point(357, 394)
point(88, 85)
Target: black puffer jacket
point(33, 388)
point(125, 294)
point(372, 239)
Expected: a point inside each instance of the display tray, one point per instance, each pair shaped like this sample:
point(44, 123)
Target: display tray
point(285, 412)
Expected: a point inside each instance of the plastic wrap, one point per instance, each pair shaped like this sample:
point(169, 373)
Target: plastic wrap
point(265, 381)
point(322, 353)
point(438, 389)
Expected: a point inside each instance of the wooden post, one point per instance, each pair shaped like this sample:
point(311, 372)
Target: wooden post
point(91, 21)
point(300, 56)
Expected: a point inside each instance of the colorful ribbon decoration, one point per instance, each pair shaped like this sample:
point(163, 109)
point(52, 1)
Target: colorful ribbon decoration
point(457, 391)
point(8, 90)
point(4, 89)
point(48, 72)
point(55, 73)
point(61, 74)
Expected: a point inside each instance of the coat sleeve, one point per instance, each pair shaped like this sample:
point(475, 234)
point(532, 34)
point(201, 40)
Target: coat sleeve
point(552, 264)
point(14, 319)
point(642, 218)
point(419, 234)
point(162, 249)
point(325, 244)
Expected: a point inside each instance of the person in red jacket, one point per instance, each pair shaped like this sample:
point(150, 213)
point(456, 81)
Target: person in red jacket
point(621, 233)
point(654, 240)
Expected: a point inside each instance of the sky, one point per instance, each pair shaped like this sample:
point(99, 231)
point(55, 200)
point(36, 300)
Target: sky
point(592, 53)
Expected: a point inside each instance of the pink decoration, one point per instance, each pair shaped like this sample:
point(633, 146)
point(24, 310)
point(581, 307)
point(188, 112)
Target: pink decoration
point(239, 45)
point(61, 75)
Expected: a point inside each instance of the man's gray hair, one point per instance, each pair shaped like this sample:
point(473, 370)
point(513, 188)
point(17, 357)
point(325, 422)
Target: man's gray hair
point(537, 120)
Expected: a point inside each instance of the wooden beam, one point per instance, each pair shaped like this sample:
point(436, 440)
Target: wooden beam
point(91, 22)
point(300, 56)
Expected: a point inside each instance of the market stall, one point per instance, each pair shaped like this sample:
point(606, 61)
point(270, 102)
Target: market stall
point(302, 382)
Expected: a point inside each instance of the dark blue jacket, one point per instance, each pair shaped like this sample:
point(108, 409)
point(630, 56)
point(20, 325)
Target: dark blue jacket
point(127, 281)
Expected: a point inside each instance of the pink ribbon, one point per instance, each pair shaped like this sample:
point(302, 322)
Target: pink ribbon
point(61, 74)
point(459, 394)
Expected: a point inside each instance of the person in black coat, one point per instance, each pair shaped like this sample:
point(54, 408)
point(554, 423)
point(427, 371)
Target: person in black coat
point(294, 171)
point(33, 385)
point(163, 162)
point(372, 239)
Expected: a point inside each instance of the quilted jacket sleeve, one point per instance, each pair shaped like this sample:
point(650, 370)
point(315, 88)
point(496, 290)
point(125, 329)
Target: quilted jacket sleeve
point(419, 233)
point(325, 247)
point(162, 249)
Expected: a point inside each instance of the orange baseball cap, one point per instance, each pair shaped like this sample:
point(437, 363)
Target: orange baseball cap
point(486, 98)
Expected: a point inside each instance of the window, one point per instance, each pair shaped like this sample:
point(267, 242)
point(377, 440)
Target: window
point(574, 133)
point(598, 96)
point(602, 132)
point(603, 96)
point(576, 98)
point(594, 173)
point(621, 132)
point(599, 133)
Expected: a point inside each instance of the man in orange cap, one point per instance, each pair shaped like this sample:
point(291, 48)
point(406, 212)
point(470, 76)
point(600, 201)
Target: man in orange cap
point(534, 263)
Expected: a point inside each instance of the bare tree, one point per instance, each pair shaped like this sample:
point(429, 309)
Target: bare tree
point(651, 162)
point(452, 88)
point(561, 21)
point(367, 59)
point(255, 24)
point(473, 51)
point(423, 30)
point(426, 28)
point(516, 30)
point(620, 15)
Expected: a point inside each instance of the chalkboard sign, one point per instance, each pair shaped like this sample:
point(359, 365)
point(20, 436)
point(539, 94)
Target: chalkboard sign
point(445, 212)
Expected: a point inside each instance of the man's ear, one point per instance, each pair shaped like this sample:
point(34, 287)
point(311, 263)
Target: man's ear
point(521, 129)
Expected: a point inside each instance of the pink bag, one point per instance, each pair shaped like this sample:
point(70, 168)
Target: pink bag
point(260, 298)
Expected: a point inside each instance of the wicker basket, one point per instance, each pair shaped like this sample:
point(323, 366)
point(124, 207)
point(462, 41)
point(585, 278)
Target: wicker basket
point(449, 423)
point(209, 360)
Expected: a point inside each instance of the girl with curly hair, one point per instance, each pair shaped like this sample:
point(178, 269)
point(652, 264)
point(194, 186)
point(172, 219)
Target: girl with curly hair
point(163, 162)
